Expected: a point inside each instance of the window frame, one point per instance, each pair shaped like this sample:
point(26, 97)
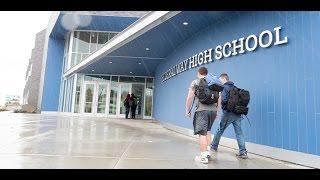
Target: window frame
point(70, 48)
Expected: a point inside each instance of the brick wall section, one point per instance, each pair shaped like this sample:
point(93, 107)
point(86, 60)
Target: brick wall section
point(35, 64)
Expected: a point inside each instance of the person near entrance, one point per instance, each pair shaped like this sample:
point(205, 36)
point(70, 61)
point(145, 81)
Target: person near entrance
point(133, 105)
point(228, 118)
point(126, 105)
point(205, 113)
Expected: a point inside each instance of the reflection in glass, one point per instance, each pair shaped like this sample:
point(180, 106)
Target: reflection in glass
point(102, 98)
point(78, 93)
point(137, 90)
point(76, 104)
point(94, 37)
point(85, 43)
point(132, 79)
point(89, 98)
point(83, 56)
point(93, 43)
point(75, 59)
point(100, 78)
point(113, 95)
point(125, 90)
point(111, 35)
point(148, 95)
point(103, 37)
point(81, 41)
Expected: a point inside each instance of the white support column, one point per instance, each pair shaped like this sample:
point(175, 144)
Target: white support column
point(74, 92)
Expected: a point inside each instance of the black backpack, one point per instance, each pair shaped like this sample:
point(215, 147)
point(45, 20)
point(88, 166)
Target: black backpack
point(130, 102)
point(238, 101)
point(206, 94)
point(125, 103)
point(133, 102)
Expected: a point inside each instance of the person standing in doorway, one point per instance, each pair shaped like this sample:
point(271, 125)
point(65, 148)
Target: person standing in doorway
point(228, 118)
point(203, 118)
point(133, 106)
point(126, 105)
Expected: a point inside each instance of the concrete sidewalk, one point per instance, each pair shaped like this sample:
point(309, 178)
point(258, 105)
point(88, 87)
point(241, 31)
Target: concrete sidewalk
point(59, 141)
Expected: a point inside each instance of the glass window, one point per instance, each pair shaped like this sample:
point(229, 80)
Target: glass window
point(93, 48)
point(86, 43)
point(66, 53)
point(138, 91)
point(88, 98)
point(83, 56)
point(102, 37)
point(75, 59)
point(78, 94)
point(115, 79)
point(113, 95)
point(125, 90)
point(77, 101)
point(102, 98)
point(149, 83)
point(94, 37)
point(111, 35)
point(100, 77)
point(148, 96)
point(65, 64)
point(93, 43)
point(88, 78)
point(81, 42)
point(132, 79)
point(63, 95)
point(104, 77)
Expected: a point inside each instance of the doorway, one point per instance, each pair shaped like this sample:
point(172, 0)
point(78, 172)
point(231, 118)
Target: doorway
point(138, 90)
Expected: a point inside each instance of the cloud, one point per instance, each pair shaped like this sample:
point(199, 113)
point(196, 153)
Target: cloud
point(17, 35)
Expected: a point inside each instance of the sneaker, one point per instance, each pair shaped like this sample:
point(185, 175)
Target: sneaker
point(201, 159)
point(208, 155)
point(214, 149)
point(242, 155)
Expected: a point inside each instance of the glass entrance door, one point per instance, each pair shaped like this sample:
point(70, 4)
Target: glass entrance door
point(95, 98)
point(88, 98)
point(101, 101)
point(125, 89)
point(137, 90)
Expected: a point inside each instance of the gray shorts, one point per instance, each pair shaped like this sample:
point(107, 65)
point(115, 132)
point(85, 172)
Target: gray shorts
point(202, 121)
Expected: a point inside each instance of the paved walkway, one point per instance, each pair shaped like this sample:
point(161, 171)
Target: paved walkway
point(57, 141)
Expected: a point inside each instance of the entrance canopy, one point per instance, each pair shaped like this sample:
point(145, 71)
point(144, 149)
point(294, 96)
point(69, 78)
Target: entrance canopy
point(143, 45)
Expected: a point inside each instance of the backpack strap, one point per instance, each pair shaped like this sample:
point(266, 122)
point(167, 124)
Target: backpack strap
point(247, 119)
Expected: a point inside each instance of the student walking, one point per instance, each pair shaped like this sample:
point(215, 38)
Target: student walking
point(133, 106)
point(205, 112)
point(228, 118)
point(126, 105)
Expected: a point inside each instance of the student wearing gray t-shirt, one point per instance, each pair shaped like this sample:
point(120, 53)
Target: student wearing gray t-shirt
point(203, 118)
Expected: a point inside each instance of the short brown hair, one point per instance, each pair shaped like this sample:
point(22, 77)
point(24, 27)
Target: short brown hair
point(225, 75)
point(203, 71)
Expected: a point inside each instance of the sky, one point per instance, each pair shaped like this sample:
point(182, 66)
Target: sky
point(17, 38)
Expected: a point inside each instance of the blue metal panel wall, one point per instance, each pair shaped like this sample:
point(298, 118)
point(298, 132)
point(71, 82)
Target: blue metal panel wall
point(284, 81)
point(51, 86)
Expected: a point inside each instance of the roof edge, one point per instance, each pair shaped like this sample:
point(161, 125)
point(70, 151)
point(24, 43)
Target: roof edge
point(133, 31)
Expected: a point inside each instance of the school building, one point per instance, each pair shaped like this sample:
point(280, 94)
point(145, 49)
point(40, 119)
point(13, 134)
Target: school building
point(93, 59)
